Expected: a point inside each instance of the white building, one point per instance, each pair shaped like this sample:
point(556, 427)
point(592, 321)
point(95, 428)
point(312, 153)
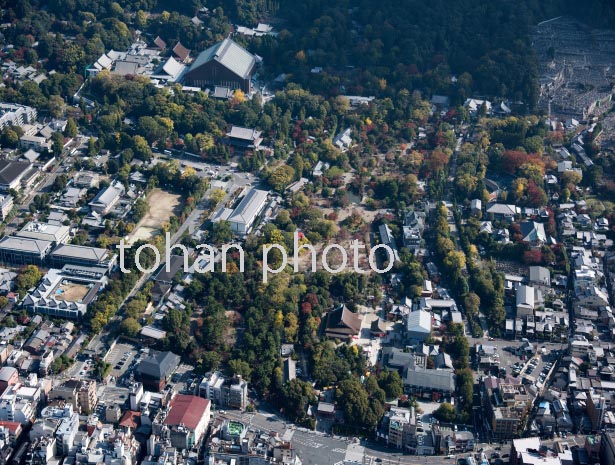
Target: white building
point(6, 205)
point(18, 404)
point(525, 301)
point(418, 325)
point(16, 115)
point(343, 140)
point(107, 198)
point(473, 105)
point(243, 217)
point(188, 420)
point(61, 422)
point(66, 293)
point(45, 232)
point(225, 392)
point(37, 143)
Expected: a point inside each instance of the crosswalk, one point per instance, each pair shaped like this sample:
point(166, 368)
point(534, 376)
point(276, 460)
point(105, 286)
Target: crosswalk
point(309, 443)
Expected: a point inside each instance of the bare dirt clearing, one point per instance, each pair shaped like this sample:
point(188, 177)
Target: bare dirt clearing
point(162, 205)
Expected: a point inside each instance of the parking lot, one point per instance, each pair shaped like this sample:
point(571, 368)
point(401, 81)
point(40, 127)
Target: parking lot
point(82, 368)
point(184, 381)
point(121, 358)
point(539, 367)
point(509, 357)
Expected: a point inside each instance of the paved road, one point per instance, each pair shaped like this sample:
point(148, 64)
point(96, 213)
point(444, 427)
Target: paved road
point(48, 177)
point(312, 448)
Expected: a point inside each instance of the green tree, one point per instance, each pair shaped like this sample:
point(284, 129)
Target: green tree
point(209, 361)
point(141, 148)
point(71, 128)
point(216, 196)
point(353, 400)
point(57, 144)
point(28, 278)
point(59, 183)
point(130, 327)
point(281, 177)
point(10, 137)
point(471, 303)
point(296, 395)
point(390, 382)
point(240, 367)
point(446, 413)
point(221, 232)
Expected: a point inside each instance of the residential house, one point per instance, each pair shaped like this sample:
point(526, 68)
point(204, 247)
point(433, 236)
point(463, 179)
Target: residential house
point(503, 212)
point(343, 140)
point(525, 301)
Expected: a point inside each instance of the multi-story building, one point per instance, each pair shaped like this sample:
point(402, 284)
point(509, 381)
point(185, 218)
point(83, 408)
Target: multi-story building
point(39, 143)
point(19, 405)
point(80, 393)
point(10, 432)
point(6, 206)
point(506, 406)
point(243, 217)
point(87, 396)
point(16, 115)
point(66, 293)
point(8, 377)
point(65, 434)
point(155, 369)
point(607, 448)
point(58, 234)
point(596, 410)
point(23, 251)
point(41, 451)
point(12, 173)
point(398, 428)
point(81, 255)
point(225, 392)
point(187, 420)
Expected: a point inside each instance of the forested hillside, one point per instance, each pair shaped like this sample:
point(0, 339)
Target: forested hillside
point(363, 46)
point(391, 44)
